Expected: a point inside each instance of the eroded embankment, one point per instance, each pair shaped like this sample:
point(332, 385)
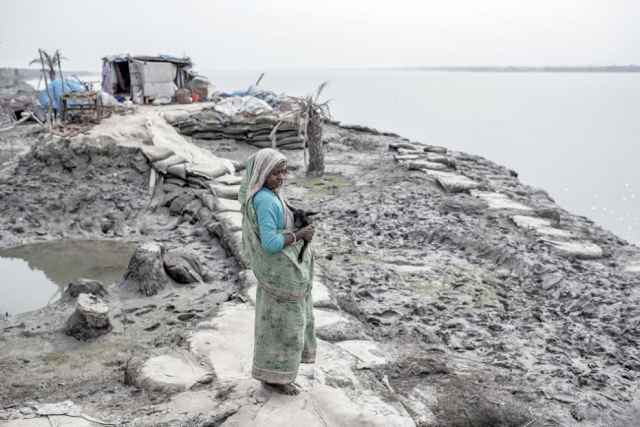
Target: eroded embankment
point(449, 291)
point(96, 188)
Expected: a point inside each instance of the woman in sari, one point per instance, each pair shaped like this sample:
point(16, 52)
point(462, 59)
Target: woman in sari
point(284, 329)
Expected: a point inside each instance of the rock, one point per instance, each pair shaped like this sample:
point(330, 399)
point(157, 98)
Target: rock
point(320, 407)
point(405, 146)
point(539, 225)
point(228, 347)
point(320, 294)
point(425, 164)
point(585, 412)
point(577, 249)
point(368, 353)
point(406, 157)
point(433, 148)
point(500, 201)
point(439, 158)
point(192, 208)
point(107, 224)
point(452, 182)
point(84, 286)
point(90, 320)
point(183, 266)
point(63, 414)
point(633, 267)
point(52, 420)
point(341, 331)
point(332, 326)
point(420, 411)
point(181, 202)
point(167, 373)
point(463, 203)
point(146, 273)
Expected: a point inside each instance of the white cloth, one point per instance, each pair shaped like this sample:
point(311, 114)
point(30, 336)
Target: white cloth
point(264, 161)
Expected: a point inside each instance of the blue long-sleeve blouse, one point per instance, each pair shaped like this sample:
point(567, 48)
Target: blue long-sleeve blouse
point(270, 216)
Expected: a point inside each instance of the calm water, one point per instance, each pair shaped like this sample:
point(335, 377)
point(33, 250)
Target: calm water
point(572, 134)
point(34, 275)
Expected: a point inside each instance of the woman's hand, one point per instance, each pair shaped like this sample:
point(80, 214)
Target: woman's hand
point(305, 233)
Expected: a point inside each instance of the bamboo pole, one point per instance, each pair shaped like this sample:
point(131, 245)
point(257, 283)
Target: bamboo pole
point(60, 69)
point(272, 135)
point(46, 85)
point(61, 81)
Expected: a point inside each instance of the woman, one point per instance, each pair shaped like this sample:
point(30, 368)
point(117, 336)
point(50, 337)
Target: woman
point(284, 330)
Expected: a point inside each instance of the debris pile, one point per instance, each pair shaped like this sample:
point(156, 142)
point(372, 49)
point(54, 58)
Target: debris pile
point(16, 97)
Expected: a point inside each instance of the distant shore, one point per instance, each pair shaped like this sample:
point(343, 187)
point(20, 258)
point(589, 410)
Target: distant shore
point(513, 69)
point(33, 73)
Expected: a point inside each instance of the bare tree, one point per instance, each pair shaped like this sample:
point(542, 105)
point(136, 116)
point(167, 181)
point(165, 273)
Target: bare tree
point(50, 61)
point(314, 114)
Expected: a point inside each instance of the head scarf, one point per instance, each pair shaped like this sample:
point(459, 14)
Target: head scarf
point(259, 166)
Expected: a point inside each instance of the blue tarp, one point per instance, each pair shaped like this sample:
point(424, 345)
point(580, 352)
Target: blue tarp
point(55, 89)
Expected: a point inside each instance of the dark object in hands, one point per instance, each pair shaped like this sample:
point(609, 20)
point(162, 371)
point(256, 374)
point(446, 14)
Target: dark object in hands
point(301, 219)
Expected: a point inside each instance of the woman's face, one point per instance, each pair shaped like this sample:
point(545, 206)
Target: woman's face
point(276, 178)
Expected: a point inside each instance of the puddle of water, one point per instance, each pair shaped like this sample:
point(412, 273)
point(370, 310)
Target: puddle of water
point(34, 275)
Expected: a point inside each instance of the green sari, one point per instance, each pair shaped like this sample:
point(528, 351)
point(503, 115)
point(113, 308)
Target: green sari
point(284, 325)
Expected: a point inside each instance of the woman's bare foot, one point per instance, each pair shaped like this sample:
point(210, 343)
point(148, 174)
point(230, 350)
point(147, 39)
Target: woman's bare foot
point(286, 389)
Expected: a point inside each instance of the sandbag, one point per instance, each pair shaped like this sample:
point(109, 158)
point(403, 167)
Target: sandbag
point(229, 179)
point(225, 205)
point(230, 221)
point(225, 191)
point(154, 153)
point(179, 170)
point(209, 170)
point(163, 165)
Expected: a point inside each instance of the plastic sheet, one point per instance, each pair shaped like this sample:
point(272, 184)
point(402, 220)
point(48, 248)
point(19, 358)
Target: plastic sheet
point(243, 105)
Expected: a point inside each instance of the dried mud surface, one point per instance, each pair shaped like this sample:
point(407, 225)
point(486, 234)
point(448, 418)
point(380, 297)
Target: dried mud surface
point(489, 324)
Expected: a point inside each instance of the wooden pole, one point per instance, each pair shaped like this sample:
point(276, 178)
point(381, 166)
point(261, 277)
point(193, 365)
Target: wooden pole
point(61, 80)
point(46, 85)
point(272, 135)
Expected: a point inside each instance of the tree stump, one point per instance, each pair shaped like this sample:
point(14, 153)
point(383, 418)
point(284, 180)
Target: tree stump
point(316, 151)
point(145, 273)
point(90, 320)
point(184, 267)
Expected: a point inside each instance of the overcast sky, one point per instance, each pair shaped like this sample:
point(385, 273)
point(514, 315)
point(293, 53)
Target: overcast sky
point(241, 34)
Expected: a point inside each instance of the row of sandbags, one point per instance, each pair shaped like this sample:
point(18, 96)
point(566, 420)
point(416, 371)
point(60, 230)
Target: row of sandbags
point(214, 125)
point(211, 202)
point(168, 163)
point(194, 185)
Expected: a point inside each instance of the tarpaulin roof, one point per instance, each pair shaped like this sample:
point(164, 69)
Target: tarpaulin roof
point(148, 58)
point(55, 90)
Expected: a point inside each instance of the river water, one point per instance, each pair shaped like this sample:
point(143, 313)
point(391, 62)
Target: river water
point(575, 135)
point(35, 275)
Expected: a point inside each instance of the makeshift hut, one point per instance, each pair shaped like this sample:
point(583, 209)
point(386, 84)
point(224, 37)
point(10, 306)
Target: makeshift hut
point(145, 79)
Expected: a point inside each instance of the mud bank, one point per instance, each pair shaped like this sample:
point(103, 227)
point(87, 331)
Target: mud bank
point(449, 292)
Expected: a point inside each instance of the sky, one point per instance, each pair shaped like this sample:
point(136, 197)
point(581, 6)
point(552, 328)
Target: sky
point(248, 34)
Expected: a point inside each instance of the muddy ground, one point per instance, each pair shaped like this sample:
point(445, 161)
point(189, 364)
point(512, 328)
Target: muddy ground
point(489, 324)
